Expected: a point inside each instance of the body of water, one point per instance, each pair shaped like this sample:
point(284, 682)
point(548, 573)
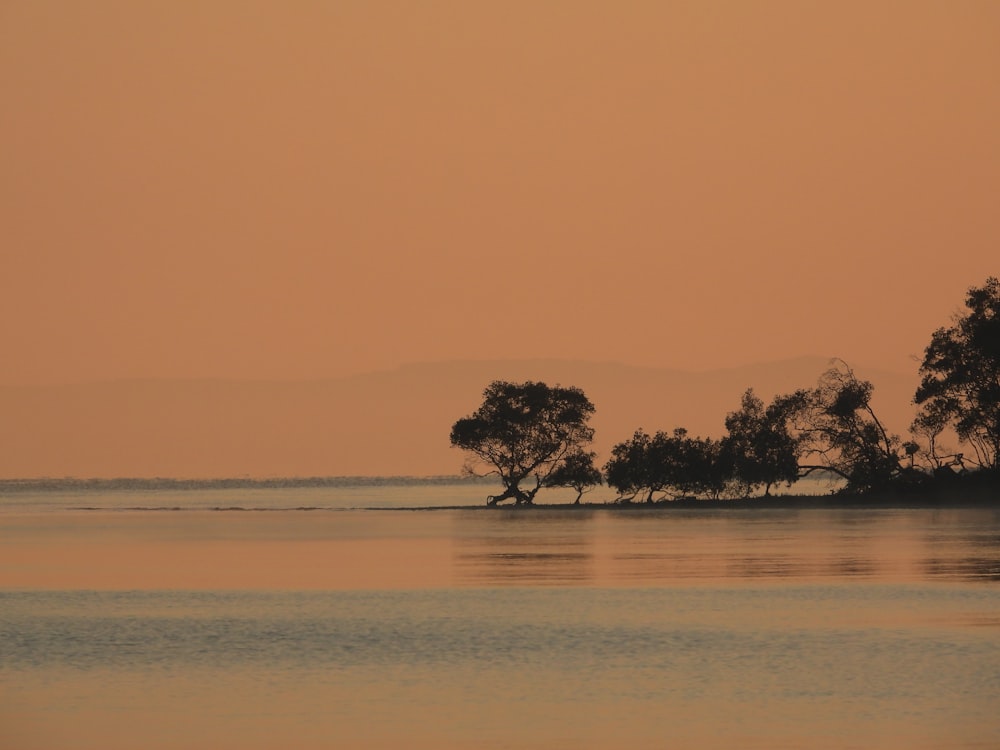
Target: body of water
point(273, 618)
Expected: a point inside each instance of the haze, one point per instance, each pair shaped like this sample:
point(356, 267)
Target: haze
point(306, 190)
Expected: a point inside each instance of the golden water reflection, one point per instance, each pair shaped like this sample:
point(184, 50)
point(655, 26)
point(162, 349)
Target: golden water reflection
point(481, 547)
point(496, 629)
point(615, 548)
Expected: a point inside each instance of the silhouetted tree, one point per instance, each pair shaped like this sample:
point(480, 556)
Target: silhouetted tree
point(528, 432)
point(666, 465)
point(760, 447)
point(927, 428)
point(576, 471)
point(960, 376)
point(705, 468)
point(630, 471)
point(837, 426)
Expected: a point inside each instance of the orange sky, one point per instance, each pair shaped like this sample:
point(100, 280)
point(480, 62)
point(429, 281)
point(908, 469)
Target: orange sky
point(308, 189)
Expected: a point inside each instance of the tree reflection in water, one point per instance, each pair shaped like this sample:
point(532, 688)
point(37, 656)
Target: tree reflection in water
point(610, 547)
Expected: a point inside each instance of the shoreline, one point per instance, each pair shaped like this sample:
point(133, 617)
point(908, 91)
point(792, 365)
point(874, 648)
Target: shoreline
point(971, 492)
point(784, 502)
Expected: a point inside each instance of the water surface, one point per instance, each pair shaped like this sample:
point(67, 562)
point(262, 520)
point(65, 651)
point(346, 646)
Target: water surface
point(339, 627)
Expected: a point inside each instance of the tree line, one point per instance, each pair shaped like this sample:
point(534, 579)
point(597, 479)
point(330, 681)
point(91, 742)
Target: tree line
point(532, 436)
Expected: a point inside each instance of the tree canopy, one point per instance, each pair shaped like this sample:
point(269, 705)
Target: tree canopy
point(666, 465)
point(960, 377)
point(841, 432)
point(831, 427)
point(529, 432)
point(532, 436)
point(761, 448)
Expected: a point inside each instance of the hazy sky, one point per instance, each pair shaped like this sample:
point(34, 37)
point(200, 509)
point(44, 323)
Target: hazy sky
point(306, 189)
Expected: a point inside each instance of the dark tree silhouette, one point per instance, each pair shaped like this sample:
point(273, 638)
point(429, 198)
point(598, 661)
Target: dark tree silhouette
point(960, 377)
point(760, 447)
point(529, 432)
point(631, 470)
point(927, 428)
point(839, 428)
point(665, 466)
point(576, 471)
point(706, 468)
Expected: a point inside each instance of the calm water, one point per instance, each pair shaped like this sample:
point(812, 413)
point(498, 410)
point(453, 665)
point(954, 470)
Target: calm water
point(151, 620)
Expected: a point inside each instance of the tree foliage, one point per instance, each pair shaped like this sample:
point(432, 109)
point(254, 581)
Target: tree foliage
point(529, 432)
point(577, 471)
point(838, 428)
point(960, 377)
point(758, 451)
point(761, 449)
point(666, 466)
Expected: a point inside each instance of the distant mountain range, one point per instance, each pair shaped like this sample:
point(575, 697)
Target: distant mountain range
point(387, 423)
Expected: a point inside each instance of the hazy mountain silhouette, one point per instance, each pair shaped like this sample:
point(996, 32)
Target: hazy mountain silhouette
point(383, 423)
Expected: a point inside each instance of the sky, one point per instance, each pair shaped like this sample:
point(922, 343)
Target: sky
point(300, 190)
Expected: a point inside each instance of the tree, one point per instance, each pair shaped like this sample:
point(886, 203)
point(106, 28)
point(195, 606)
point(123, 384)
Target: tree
point(960, 376)
point(673, 465)
point(576, 471)
point(529, 432)
point(761, 449)
point(837, 425)
point(928, 426)
point(705, 467)
point(630, 469)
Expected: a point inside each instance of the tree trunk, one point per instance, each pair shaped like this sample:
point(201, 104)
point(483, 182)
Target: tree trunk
point(507, 494)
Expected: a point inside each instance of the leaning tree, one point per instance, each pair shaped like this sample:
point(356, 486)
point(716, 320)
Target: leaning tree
point(960, 377)
point(839, 431)
point(529, 433)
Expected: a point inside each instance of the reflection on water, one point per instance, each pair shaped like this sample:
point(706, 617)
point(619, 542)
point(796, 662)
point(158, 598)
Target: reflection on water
point(517, 548)
point(848, 566)
point(964, 569)
point(482, 547)
point(644, 548)
point(532, 629)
